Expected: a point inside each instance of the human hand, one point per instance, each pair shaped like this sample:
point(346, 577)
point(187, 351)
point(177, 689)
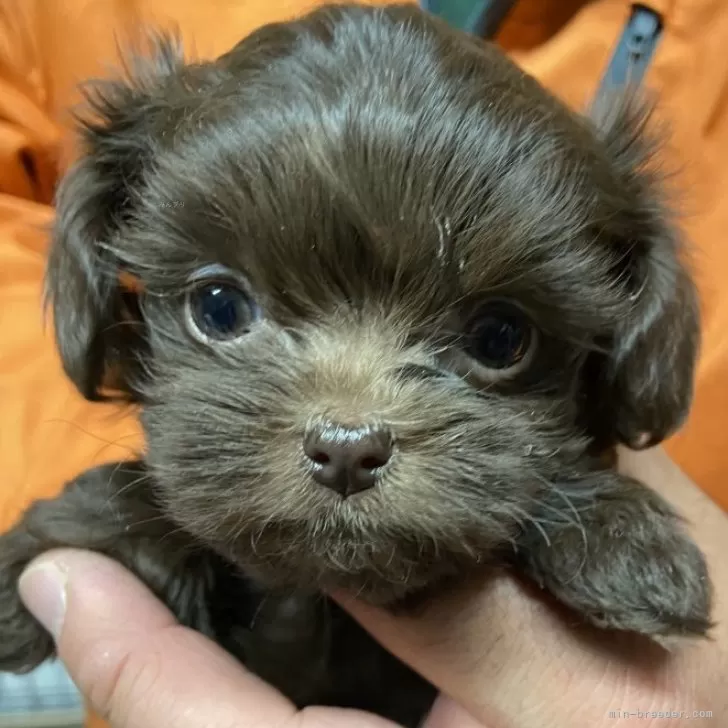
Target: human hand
point(138, 668)
point(513, 661)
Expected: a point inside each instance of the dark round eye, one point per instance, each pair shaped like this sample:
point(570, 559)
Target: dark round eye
point(221, 310)
point(501, 337)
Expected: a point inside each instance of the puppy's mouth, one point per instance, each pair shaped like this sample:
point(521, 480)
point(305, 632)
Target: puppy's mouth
point(375, 539)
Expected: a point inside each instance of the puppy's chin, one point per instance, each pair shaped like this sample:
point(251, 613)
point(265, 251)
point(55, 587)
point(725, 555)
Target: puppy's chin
point(378, 567)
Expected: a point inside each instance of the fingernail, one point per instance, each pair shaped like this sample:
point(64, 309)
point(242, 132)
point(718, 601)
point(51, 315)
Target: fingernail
point(43, 591)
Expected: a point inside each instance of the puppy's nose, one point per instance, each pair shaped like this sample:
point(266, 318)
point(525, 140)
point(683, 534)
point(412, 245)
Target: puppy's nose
point(347, 459)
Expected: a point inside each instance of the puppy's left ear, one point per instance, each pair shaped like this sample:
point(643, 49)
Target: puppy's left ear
point(645, 381)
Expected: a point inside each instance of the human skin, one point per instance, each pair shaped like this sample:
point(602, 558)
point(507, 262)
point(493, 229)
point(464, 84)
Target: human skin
point(504, 655)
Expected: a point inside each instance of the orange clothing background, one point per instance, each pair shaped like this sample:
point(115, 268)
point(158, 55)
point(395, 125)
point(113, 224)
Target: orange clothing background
point(48, 433)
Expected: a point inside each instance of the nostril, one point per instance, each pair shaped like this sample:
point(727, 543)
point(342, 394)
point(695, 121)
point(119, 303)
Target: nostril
point(372, 462)
point(320, 457)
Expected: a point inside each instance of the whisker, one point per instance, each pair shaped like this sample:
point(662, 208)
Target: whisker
point(578, 523)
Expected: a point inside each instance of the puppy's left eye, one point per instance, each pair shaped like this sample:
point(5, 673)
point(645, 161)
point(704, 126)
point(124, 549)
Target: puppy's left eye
point(501, 338)
point(221, 310)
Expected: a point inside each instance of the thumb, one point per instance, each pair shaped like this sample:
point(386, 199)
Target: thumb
point(135, 664)
point(511, 657)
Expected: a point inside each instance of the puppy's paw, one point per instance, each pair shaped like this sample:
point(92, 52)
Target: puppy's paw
point(24, 643)
point(657, 588)
point(623, 561)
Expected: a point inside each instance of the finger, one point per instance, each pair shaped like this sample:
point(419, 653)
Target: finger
point(489, 646)
point(447, 714)
point(138, 667)
point(513, 658)
point(129, 657)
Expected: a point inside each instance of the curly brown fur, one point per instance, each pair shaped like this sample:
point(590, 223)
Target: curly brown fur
point(375, 177)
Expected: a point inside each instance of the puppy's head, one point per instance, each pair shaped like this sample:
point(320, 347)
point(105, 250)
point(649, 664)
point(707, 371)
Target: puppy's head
point(374, 289)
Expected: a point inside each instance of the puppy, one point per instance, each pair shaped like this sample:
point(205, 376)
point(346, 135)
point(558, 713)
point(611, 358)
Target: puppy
point(386, 307)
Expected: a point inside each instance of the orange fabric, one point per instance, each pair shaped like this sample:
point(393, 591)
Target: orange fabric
point(48, 433)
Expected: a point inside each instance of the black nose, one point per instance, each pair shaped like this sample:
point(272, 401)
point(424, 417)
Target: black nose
point(347, 459)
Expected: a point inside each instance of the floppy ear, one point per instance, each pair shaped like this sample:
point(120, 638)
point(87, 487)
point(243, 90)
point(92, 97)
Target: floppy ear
point(645, 381)
point(97, 326)
point(83, 281)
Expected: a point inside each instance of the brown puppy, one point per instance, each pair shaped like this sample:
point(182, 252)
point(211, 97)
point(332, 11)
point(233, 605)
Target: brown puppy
point(392, 304)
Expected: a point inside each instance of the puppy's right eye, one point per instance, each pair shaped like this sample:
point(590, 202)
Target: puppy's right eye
point(221, 311)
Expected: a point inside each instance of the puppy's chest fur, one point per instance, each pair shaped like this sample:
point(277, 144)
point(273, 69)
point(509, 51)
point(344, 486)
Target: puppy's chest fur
point(313, 652)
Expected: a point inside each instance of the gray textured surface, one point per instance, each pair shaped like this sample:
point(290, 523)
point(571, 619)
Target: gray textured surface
point(44, 698)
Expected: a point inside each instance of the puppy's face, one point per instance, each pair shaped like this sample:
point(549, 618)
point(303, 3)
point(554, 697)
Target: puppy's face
point(387, 292)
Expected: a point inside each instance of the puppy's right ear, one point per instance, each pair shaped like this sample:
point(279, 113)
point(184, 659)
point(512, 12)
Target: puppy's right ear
point(97, 326)
point(82, 281)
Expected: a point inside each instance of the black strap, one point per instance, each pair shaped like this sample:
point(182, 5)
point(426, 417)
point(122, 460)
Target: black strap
point(479, 17)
